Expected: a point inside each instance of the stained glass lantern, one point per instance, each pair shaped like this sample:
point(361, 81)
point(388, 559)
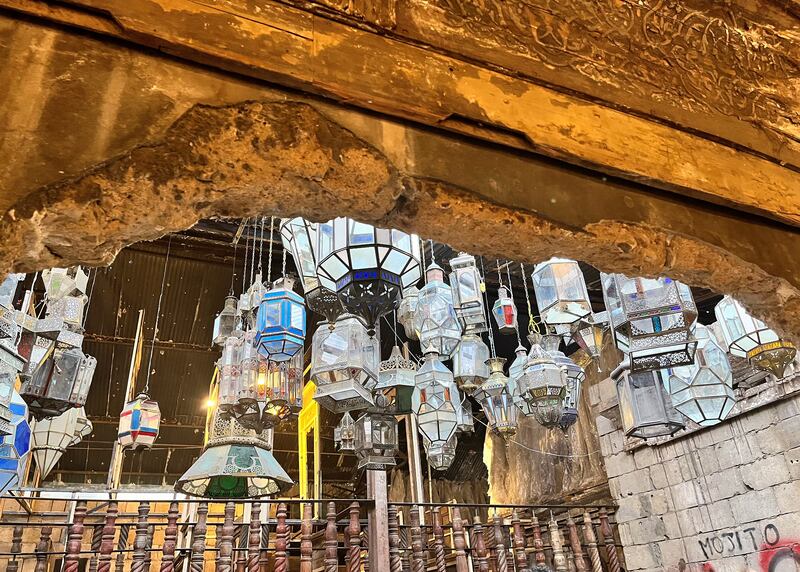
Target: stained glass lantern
point(344, 434)
point(560, 290)
point(257, 377)
point(237, 463)
point(376, 441)
point(505, 312)
point(469, 363)
point(281, 322)
point(367, 267)
point(436, 401)
point(229, 368)
point(60, 382)
point(299, 237)
point(14, 448)
point(588, 332)
point(703, 391)
point(749, 337)
point(406, 311)
point(436, 322)
point(543, 385)
point(645, 404)
point(62, 282)
point(139, 423)
point(50, 437)
point(440, 455)
point(344, 365)
point(466, 418)
point(651, 319)
point(497, 401)
point(465, 280)
point(225, 322)
point(396, 374)
point(285, 394)
point(575, 377)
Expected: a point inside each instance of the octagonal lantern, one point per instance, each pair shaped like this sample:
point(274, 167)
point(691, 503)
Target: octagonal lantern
point(344, 434)
point(60, 382)
point(542, 386)
point(376, 443)
point(11, 363)
point(465, 281)
point(396, 374)
point(435, 321)
point(406, 311)
point(256, 375)
point(497, 401)
point(575, 376)
point(139, 423)
point(750, 338)
point(470, 369)
point(436, 401)
point(225, 322)
point(440, 455)
point(281, 322)
point(367, 267)
point(344, 365)
point(703, 391)
point(285, 388)
point(14, 447)
point(645, 405)
point(560, 289)
point(505, 312)
point(651, 319)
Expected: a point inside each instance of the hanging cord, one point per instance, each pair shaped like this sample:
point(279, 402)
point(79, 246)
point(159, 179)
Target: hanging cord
point(253, 261)
point(233, 267)
point(424, 266)
point(533, 327)
point(546, 453)
point(433, 257)
point(246, 252)
point(511, 292)
point(499, 274)
point(89, 300)
point(146, 389)
point(490, 320)
point(394, 328)
point(261, 248)
point(269, 253)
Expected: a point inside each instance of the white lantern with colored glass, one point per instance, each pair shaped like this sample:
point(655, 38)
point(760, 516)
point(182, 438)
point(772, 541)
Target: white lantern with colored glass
point(505, 312)
point(139, 423)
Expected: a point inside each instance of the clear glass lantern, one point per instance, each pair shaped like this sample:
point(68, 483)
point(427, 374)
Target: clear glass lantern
point(560, 289)
point(575, 376)
point(367, 267)
point(588, 333)
point(50, 437)
point(406, 311)
point(465, 280)
point(437, 325)
point(651, 319)
point(749, 337)
point(436, 401)
point(505, 312)
point(497, 401)
point(376, 441)
point(440, 455)
point(542, 386)
point(230, 373)
point(281, 322)
point(60, 382)
point(517, 367)
point(225, 322)
point(703, 391)
point(469, 362)
point(344, 434)
point(139, 423)
point(8, 289)
point(344, 365)
point(83, 427)
point(299, 237)
point(15, 446)
point(645, 404)
point(256, 378)
point(466, 418)
point(62, 282)
point(396, 374)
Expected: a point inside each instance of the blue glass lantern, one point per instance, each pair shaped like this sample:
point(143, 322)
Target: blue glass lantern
point(281, 323)
point(14, 448)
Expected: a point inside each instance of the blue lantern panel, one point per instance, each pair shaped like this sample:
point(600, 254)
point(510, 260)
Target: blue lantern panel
point(15, 447)
point(281, 325)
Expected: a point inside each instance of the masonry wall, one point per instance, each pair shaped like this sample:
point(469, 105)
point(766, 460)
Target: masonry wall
point(726, 498)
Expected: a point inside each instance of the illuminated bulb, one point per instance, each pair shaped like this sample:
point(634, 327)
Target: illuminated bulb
point(210, 403)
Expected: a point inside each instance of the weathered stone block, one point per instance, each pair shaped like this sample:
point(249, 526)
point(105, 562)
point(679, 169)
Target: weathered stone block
point(672, 528)
point(672, 470)
point(620, 464)
point(793, 462)
point(685, 495)
point(757, 420)
point(656, 502)
point(708, 460)
point(644, 457)
point(725, 484)
point(606, 426)
point(729, 455)
point(649, 529)
point(788, 496)
point(671, 553)
point(612, 443)
point(765, 472)
point(721, 514)
point(694, 521)
point(630, 509)
point(642, 557)
point(635, 483)
point(755, 505)
point(658, 476)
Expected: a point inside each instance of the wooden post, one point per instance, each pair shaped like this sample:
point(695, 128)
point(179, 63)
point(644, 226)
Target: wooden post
point(148, 545)
point(438, 541)
point(520, 557)
point(608, 540)
point(75, 536)
point(332, 541)
point(197, 558)
point(480, 560)
point(16, 548)
point(122, 545)
point(306, 547)
point(170, 539)
point(559, 560)
point(140, 540)
point(500, 545)
point(254, 538)
point(42, 548)
point(378, 528)
point(225, 555)
point(459, 542)
point(354, 530)
point(417, 559)
point(575, 542)
point(538, 545)
point(242, 541)
point(591, 543)
point(97, 538)
point(395, 560)
point(263, 559)
point(281, 533)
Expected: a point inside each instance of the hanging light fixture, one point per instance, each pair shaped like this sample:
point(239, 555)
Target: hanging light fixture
point(396, 374)
point(440, 455)
point(588, 332)
point(376, 443)
point(285, 394)
point(466, 419)
point(436, 401)
point(229, 367)
point(703, 391)
point(497, 401)
point(470, 367)
point(406, 311)
point(645, 404)
point(505, 312)
point(15, 446)
point(367, 267)
point(281, 322)
point(50, 437)
point(517, 367)
point(344, 365)
point(560, 289)
point(436, 322)
point(11, 363)
point(651, 319)
point(575, 376)
point(139, 423)
point(543, 385)
point(466, 283)
point(225, 322)
point(749, 337)
point(344, 434)
point(83, 427)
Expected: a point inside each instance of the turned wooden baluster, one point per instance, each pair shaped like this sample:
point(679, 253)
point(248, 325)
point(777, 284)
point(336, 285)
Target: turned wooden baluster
point(559, 560)
point(591, 543)
point(97, 538)
point(74, 538)
point(539, 560)
point(306, 547)
point(364, 551)
point(42, 548)
point(501, 556)
point(520, 558)
point(417, 559)
point(332, 539)
point(480, 560)
point(170, 540)
point(575, 542)
point(148, 545)
point(122, 546)
point(16, 548)
point(354, 530)
point(224, 561)
point(107, 538)
point(254, 538)
point(281, 537)
point(197, 558)
point(241, 547)
point(438, 541)
point(395, 560)
point(608, 540)
point(140, 540)
point(459, 542)
point(263, 559)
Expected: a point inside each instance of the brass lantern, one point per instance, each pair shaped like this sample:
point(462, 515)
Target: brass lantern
point(376, 441)
point(406, 311)
point(497, 401)
point(435, 320)
point(542, 386)
point(748, 337)
point(436, 401)
point(651, 319)
point(344, 434)
point(560, 289)
point(575, 376)
point(469, 362)
point(396, 374)
point(505, 312)
point(645, 404)
point(465, 280)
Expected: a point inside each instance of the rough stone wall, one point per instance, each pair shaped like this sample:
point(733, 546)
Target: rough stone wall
point(726, 498)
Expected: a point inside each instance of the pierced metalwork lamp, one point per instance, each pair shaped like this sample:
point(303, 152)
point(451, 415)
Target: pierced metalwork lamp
point(497, 401)
point(344, 434)
point(396, 374)
point(542, 386)
point(575, 376)
point(376, 443)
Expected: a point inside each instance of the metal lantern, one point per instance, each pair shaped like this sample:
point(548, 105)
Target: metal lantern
point(406, 311)
point(229, 368)
point(367, 267)
point(285, 387)
point(397, 374)
point(465, 280)
point(299, 237)
point(436, 401)
point(703, 391)
point(344, 365)
point(8, 289)
point(440, 455)
point(344, 434)
point(469, 362)
point(651, 319)
point(256, 377)
point(645, 404)
point(83, 427)
point(749, 337)
point(59, 382)
point(588, 332)
point(14, 447)
point(543, 385)
point(466, 419)
point(281, 322)
point(65, 282)
point(50, 437)
point(11, 363)
point(505, 312)
point(497, 401)
point(225, 322)
point(560, 289)
point(575, 376)
point(517, 367)
point(376, 441)
point(435, 321)
point(139, 423)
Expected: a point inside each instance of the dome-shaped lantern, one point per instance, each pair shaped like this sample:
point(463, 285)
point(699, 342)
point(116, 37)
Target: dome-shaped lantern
point(465, 281)
point(703, 391)
point(440, 455)
point(469, 363)
point(749, 337)
point(50, 437)
point(406, 311)
point(344, 365)
point(542, 386)
point(497, 401)
point(436, 322)
point(651, 319)
point(505, 312)
point(575, 376)
point(139, 423)
point(367, 267)
point(225, 322)
point(396, 374)
point(376, 443)
point(281, 322)
point(645, 404)
point(436, 401)
point(344, 434)
point(560, 289)
point(15, 446)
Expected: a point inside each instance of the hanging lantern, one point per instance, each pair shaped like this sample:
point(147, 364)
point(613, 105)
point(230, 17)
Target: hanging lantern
point(435, 321)
point(11, 363)
point(466, 418)
point(560, 289)
point(281, 322)
point(505, 312)
point(517, 367)
point(60, 382)
point(397, 374)
point(236, 463)
point(465, 280)
point(138, 423)
point(469, 363)
point(299, 237)
point(588, 332)
point(542, 385)
point(575, 376)
point(436, 401)
point(651, 318)
point(286, 387)
point(14, 447)
point(750, 338)
point(703, 391)
point(644, 404)
point(50, 437)
point(367, 267)
point(257, 376)
point(440, 455)
point(230, 373)
point(406, 311)
point(8, 289)
point(344, 434)
point(376, 441)
point(225, 322)
point(344, 365)
point(83, 427)
point(497, 401)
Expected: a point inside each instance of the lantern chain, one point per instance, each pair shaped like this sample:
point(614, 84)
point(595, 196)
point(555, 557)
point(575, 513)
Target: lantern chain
point(499, 274)
point(253, 261)
point(246, 252)
point(486, 298)
point(532, 325)
point(261, 249)
point(422, 253)
point(433, 255)
point(511, 292)
point(269, 253)
point(146, 389)
point(233, 267)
